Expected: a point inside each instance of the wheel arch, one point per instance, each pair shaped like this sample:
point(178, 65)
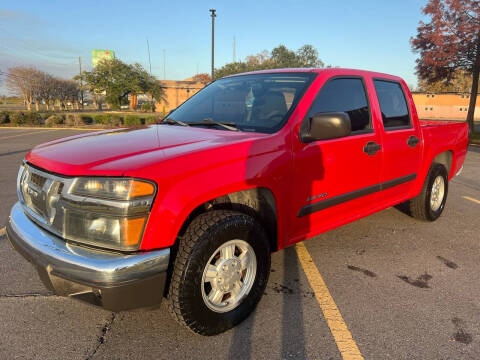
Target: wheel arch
point(258, 202)
point(446, 159)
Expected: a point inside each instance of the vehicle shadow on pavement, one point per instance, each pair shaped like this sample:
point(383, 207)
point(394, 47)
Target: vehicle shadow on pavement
point(292, 323)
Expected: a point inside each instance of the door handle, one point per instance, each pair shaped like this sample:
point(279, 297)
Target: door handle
point(413, 141)
point(371, 148)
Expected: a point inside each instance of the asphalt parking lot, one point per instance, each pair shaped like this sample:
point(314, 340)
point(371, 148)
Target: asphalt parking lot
point(404, 289)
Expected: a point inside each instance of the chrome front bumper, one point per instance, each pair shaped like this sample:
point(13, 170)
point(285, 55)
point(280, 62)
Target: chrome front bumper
point(111, 280)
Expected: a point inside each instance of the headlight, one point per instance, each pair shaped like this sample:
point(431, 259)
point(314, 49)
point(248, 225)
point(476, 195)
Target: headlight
point(112, 188)
point(105, 230)
point(112, 212)
point(102, 211)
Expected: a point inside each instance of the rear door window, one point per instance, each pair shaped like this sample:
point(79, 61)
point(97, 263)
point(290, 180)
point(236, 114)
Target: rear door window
point(393, 105)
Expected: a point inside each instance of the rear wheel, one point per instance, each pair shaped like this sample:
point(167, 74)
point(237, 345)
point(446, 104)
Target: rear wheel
point(429, 204)
point(220, 271)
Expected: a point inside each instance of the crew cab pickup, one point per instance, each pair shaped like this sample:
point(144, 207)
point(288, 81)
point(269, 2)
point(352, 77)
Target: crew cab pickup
point(191, 208)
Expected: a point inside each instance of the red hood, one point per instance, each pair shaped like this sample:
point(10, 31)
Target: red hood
point(96, 153)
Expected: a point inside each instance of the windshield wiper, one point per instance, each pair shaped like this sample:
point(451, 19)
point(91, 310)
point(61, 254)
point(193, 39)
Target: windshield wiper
point(171, 121)
point(208, 121)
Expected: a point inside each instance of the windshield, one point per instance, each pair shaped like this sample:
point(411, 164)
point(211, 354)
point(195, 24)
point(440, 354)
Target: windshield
point(259, 102)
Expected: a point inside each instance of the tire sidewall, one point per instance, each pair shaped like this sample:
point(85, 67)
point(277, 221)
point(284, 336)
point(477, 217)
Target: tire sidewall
point(233, 227)
point(437, 170)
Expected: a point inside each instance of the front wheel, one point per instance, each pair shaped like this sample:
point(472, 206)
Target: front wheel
point(220, 272)
point(429, 204)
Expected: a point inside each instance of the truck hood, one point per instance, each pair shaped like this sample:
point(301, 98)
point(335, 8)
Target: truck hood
point(95, 153)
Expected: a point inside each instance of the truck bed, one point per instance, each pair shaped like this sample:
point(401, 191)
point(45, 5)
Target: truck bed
point(440, 136)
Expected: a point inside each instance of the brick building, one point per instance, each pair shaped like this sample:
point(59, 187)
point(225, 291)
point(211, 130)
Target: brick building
point(443, 105)
point(176, 92)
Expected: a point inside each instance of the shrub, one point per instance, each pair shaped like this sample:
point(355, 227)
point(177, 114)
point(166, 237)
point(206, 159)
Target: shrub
point(148, 107)
point(86, 119)
point(114, 120)
point(46, 115)
point(151, 119)
point(18, 118)
point(100, 118)
point(132, 120)
point(4, 117)
point(54, 120)
point(33, 118)
point(73, 120)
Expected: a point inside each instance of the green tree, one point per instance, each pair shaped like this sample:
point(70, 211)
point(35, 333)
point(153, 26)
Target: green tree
point(279, 57)
point(284, 58)
point(461, 82)
point(231, 68)
point(117, 80)
point(202, 77)
point(448, 41)
point(307, 56)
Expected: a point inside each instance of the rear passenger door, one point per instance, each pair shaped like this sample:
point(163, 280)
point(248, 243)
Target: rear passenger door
point(401, 140)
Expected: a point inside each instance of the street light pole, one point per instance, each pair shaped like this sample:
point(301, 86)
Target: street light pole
point(81, 83)
point(164, 72)
point(213, 15)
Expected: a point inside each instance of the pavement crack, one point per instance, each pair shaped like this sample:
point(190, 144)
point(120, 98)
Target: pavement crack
point(27, 295)
point(103, 337)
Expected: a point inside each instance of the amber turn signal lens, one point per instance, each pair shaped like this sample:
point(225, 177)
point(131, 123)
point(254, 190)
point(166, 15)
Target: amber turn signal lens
point(132, 231)
point(141, 188)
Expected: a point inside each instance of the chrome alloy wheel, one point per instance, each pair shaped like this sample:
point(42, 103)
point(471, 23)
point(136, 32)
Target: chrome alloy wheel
point(229, 275)
point(437, 194)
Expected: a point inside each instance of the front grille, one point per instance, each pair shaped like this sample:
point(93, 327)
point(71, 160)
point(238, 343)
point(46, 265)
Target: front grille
point(37, 180)
point(39, 193)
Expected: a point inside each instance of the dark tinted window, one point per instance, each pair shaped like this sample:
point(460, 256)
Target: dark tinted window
point(392, 104)
point(344, 95)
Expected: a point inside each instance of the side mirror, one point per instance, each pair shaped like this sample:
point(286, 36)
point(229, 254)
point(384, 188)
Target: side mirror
point(324, 126)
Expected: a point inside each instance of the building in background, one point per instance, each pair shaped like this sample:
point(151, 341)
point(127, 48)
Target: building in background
point(443, 105)
point(177, 92)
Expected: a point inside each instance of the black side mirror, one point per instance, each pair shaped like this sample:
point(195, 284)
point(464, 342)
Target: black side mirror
point(324, 126)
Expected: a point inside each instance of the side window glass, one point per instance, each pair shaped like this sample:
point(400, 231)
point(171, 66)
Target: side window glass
point(344, 95)
point(392, 104)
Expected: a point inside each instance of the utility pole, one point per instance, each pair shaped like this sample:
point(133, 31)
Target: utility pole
point(149, 62)
point(213, 15)
point(164, 77)
point(81, 82)
point(234, 50)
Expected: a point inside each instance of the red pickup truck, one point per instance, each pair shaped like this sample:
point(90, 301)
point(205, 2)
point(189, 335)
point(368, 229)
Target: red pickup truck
point(192, 207)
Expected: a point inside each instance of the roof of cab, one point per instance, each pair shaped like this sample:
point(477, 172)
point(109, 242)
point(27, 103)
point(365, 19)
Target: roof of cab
point(329, 71)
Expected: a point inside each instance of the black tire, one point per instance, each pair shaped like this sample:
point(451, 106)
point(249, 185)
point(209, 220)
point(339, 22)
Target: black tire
point(202, 238)
point(420, 207)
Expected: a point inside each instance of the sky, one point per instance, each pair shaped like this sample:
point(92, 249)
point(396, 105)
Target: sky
point(51, 35)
